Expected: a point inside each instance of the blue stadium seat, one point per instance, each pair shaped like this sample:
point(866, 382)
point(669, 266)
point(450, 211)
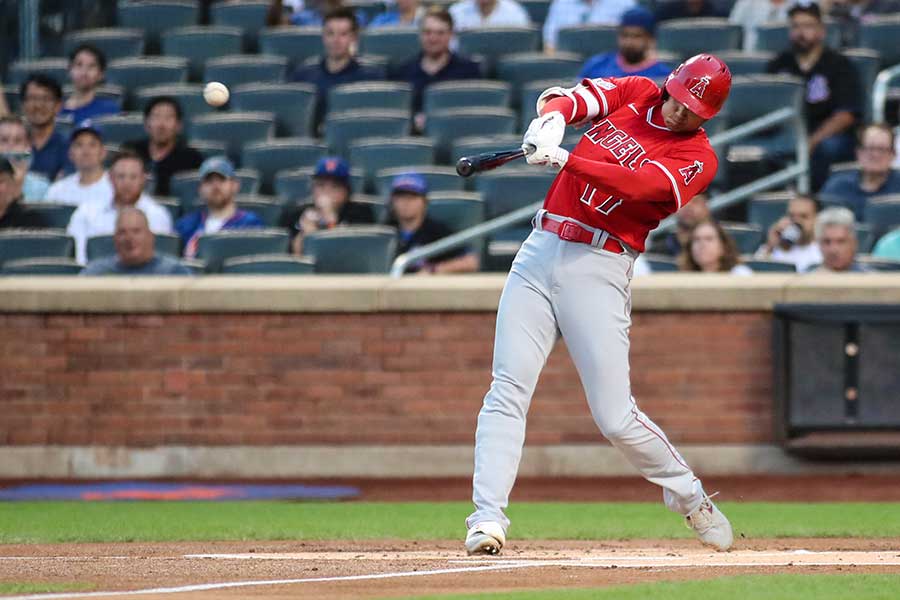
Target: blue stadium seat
point(882, 34)
point(269, 264)
point(57, 68)
point(879, 264)
point(375, 153)
point(747, 236)
point(292, 104)
point(242, 69)
point(185, 186)
point(520, 69)
point(660, 263)
point(114, 42)
point(235, 129)
point(293, 185)
point(53, 214)
point(141, 71)
point(156, 16)
point(759, 95)
point(32, 243)
point(770, 266)
point(189, 96)
point(511, 188)
point(118, 129)
point(746, 63)
point(297, 44)
point(41, 266)
point(446, 126)
point(271, 156)
point(468, 93)
point(458, 211)
point(208, 148)
point(765, 209)
point(344, 128)
point(774, 37)
point(439, 179)
point(201, 43)
point(687, 37)
point(215, 248)
point(249, 15)
point(867, 66)
point(370, 95)
point(359, 249)
point(267, 208)
point(537, 10)
point(396, 44)
point(494, 42)
point(588, 40)
point(883, 213)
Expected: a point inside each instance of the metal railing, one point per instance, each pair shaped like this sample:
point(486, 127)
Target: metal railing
point(797, 171)
point(880, 92)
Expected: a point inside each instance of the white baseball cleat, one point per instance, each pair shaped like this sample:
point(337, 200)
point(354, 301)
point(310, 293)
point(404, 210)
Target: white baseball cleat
point(711, 526)
point(485, 538)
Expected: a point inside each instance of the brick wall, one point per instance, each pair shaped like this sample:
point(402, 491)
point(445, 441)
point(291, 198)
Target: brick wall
point(373, 378)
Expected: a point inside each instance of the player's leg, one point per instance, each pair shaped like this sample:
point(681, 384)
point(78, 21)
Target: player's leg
point(593, 310)
point(525, 333)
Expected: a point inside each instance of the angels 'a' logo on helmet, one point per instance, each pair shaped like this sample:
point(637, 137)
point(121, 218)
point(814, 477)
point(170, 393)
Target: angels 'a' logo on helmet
point(699, 87)
point(691, 171)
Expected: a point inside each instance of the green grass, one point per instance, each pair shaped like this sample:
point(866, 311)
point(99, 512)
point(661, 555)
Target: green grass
point(750, 587)
point(42, 588)
point(44, 522)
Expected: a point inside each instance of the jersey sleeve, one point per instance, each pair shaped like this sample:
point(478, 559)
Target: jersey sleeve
point(596, 98)
point(689, 169)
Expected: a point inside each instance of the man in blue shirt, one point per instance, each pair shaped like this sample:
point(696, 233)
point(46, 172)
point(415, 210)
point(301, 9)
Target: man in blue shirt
point(87, 65)
point(637, 44)
point(41, 100)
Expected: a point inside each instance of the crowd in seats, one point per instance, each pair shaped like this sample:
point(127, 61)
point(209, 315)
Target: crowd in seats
point(305, 100)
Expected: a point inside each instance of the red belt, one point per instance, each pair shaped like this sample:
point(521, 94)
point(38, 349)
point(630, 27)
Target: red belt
point(573, 232)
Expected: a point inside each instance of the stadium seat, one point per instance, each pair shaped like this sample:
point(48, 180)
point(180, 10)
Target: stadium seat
point(759, 95)
point(207, 147)
point(214, 248)
point(588, 40)
point(874, 263)
point(194, 265)
point(141, 71)
point(104, 245)
point(537, 10)
point(882, 34)
point(770, 266)
point(765, 209)
point(189, 96)
point(156, 16)
point(494, 42)
point(464, 94)
point(883, 213)
point(293, 186)
point(249, 15)
point(660, 263)
point(527, 99)
point(201, 43)
point(33, 243)
point(106, 90)
point(171, 204)
point(267, 208)
point(114, 42)
point(379, 206)
point(867, 66)
point(687, 37)
point(502, 247)
point(458, 211)
point(773, 37)
point(291, 103)
point(511, 188)
point(446, 126)
point(54, 215)
point(41, 266)
point(865, 237)
point(359, 249)
point(396, 44)
point(375, 153)
point(185, 186)
point(747, 236)
point(241, 69)
point(235, 129)
point(520, 69)
point(297, 44)
point(57, 68)
point(370, 95)
point(476, 144)
point(118, 129)
point(271, 156)
point(746, 63)
point(269, 264)
point(344, 128)
point(439, 179)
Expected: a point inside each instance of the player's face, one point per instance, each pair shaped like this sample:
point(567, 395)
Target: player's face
point(706, 247)
point(875, 153)
point(87, 152)
point(338, 38)
point(634, 43)
point(408, 207)
point(218, 191)
point(802, 211)
point(806, 32)
point(128, 180)
point(162, 124)
point(133, 240)
point(85, 71)
point(678, 117)
point(838, 247)
point(435, 37)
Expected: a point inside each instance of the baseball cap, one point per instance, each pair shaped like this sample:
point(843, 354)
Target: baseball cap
point(409, 182)
point(218, 165)
point(6, 166)
point(86, 126)
point(334, 167)
point(639, 17)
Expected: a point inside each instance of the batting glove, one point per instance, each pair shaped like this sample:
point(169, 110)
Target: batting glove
point(551, 156)
point(547, 130)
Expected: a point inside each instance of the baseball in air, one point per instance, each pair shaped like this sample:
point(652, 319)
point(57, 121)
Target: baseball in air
point(215, 93)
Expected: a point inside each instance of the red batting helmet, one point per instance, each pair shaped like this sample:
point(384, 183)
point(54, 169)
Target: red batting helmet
point(701, 83)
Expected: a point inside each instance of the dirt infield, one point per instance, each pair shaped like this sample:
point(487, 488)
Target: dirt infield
point(378, 569)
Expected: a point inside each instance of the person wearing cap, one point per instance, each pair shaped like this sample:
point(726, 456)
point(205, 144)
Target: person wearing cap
point(331, 204)
point(636, 50)
point(135, 250)
point(570, 13)
point(87, 66)
point(219, 187)
point(129, 177)
point(15, 146)
point(12, 212)
point(89, 182)
point(409, 214)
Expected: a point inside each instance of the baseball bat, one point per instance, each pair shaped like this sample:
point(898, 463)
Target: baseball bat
point(467, 165)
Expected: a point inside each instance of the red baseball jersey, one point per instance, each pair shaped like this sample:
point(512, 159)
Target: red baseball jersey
point(628, 171)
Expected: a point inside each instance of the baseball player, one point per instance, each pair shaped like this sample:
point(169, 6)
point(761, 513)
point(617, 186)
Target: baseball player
point(643, 157)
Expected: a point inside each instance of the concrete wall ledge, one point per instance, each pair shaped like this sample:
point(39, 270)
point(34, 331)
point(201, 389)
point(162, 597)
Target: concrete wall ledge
point(365, 294)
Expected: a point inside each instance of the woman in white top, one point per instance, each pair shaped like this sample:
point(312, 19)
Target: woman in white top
point(753, 13)
point(711, 250)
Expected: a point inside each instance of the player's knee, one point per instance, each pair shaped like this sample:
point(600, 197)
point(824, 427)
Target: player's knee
point(507, 398)
point(617, 429)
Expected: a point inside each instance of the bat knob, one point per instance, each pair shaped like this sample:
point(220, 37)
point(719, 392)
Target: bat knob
point(464, 167)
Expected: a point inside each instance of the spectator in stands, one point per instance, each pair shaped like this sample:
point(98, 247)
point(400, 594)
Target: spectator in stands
point(791, 239)
point(340, 36)
point(711, 250)
point(41, 100)
point(313, 12)
point(87, 66)
point(163, 149)
point(637, 50)
point(436, 62)
point(409, 214)
point(875, 177)
point(128, 177)
point(219, 187)
point(687, 217)
point(331, 204)
point(135, 251)
point(752, 13)
point(688, 9)
point(90, 181)
point(15, 147)
point(888, 246)
point(12, 213)
point(406, 13)
point(850, 14)
point(833, 93)
point(473, 14)
point(836, 236)
point(569, 13)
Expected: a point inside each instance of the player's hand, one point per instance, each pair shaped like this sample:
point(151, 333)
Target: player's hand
point(551, 156)
point(547, 130)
